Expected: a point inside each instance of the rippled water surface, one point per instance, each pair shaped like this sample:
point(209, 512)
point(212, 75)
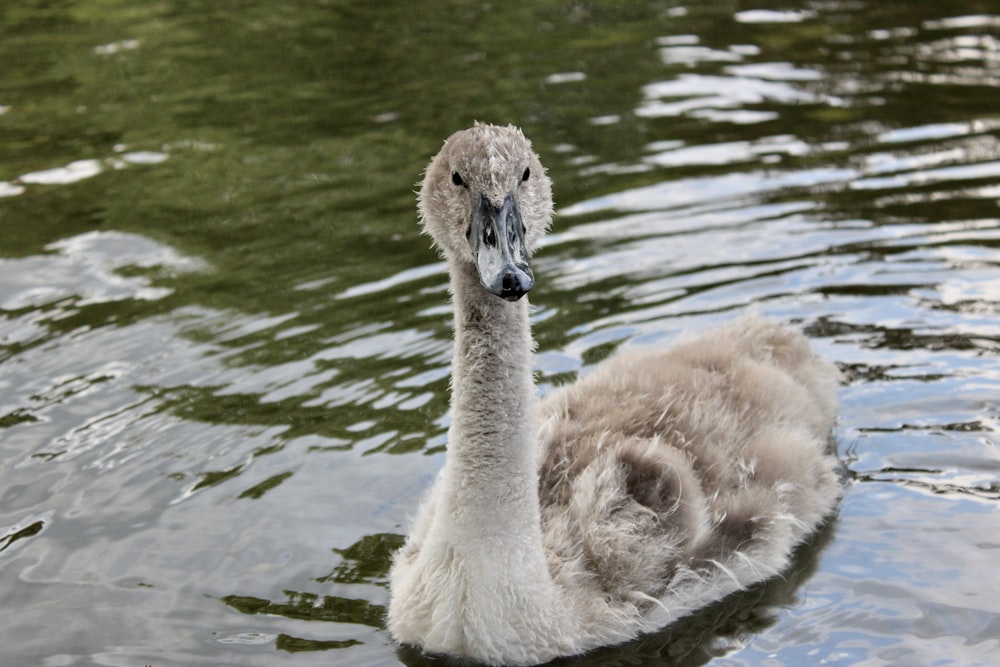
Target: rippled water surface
point(224, 345)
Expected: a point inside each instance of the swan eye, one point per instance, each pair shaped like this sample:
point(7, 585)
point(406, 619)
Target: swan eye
point(457, 180)
point(527, 173)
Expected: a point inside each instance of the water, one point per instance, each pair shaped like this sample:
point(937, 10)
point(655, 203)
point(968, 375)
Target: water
point(224, 345)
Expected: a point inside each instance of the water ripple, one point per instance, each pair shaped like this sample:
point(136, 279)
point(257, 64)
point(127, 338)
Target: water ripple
point(225, 346)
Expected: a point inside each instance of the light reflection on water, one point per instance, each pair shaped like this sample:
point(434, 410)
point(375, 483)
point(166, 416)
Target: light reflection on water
point(225, 346)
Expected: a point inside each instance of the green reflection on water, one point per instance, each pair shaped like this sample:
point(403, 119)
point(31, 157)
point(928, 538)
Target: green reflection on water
point(296, 644)
point(311, 607)
point(366, 561)
point(26, 532)
point(259, 490)
point(293, 135)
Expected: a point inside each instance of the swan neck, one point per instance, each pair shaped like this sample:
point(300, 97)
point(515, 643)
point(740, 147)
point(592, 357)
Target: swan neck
point(491, 442)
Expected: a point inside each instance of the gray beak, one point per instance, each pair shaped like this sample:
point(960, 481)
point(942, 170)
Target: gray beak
point(497, 239)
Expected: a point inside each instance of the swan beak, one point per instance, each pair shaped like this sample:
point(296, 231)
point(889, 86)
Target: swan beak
point(497, 239)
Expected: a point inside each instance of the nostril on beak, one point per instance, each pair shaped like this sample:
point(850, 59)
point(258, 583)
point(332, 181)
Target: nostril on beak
point(510, 282)
point(515, 284)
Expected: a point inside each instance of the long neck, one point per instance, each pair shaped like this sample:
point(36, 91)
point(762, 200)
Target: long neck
point(491, 461)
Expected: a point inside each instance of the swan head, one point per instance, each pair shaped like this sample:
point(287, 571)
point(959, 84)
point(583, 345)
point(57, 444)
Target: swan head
point(486, 202)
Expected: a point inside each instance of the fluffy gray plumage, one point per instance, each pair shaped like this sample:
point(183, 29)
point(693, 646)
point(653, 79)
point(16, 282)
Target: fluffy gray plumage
point(662, 481)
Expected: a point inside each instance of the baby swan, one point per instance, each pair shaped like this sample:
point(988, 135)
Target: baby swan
point(660, 482)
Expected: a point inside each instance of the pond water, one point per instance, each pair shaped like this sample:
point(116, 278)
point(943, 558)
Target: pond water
point(224, 345)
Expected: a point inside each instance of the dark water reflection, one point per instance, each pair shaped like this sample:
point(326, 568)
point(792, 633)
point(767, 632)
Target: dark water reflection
point(224, 346)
